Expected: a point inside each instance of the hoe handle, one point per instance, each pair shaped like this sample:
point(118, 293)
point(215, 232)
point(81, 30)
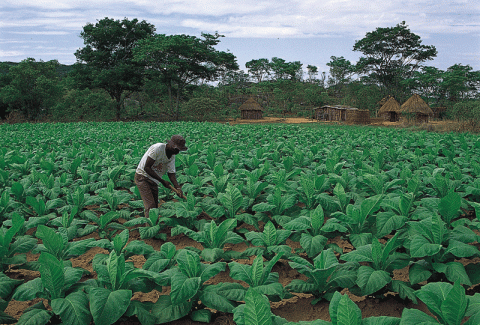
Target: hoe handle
point(180, 194)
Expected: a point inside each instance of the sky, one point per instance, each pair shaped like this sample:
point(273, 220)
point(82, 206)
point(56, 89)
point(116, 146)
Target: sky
point(309, 31)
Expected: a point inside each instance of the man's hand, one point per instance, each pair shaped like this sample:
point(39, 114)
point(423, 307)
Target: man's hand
point(178, 192)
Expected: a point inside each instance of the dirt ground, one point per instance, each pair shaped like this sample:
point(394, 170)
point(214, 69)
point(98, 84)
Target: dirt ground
point(298, 308)
point(440, 126)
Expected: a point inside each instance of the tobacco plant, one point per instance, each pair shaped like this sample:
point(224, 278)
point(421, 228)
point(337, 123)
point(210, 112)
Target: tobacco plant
point(269, 242)
point(190, 295)
point(213, 238)
point(260, 276)
point(13, 249)
point(325, 275)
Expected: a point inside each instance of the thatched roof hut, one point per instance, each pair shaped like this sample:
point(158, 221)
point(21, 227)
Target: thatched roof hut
point(390, 110)
point(251, 110)
point(416, 105)
point(384, 100)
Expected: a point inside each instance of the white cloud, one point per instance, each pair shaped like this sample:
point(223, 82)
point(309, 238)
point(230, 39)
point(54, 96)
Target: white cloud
point(246, 19)
point(6, 54)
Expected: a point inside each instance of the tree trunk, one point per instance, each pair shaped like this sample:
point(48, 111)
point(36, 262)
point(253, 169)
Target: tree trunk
point(177, 113)
point(170, 99)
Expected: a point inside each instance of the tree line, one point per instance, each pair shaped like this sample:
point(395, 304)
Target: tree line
point(127, 70)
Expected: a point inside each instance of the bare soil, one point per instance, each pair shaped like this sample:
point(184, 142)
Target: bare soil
point(298, 308)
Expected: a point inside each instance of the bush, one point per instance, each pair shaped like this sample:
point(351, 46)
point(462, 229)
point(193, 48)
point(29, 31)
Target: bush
point(202, 109)
point(469, 110)
point(84, 105)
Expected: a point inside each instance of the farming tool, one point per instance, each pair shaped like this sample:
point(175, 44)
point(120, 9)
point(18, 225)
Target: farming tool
point(180, 194)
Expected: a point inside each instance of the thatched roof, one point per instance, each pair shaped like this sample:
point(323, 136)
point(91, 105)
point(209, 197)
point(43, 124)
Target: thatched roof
point(250, 105)
point(384, 100)
point(416, 104)
point(391, 105)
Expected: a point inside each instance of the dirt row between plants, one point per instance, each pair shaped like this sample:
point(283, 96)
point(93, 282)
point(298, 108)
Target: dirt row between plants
point(298, 308)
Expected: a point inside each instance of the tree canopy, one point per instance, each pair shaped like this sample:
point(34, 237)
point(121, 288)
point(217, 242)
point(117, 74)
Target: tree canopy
point(32, 87)
point(391, 54)
point(179, 60)
point(106, 61)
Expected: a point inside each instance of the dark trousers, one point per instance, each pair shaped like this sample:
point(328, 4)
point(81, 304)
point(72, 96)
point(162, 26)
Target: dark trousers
point(148, 191)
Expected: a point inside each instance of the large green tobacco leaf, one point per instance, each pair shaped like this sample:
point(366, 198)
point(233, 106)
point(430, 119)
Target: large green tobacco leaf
point(231, 200)
point(35, 317)
point(108, 306)
point(165, 311)
point(257, 309)
point(344, 311)
point(370, 280)
point(449, 206)
point(218, 299)
point(454, 306)
point(51, 273)
point(73, 309)
point(6, 319)
point(183, 287)
point(51, 240)
point(447, 302)
point(29, 290)
point(415, 316)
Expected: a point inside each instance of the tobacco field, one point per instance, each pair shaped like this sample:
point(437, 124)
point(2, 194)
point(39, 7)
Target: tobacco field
point(274, 215)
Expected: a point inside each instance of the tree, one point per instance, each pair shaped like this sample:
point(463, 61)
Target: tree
point(286, 70)
point(391, 54)
point(259, 69)
point(33, 87)
point(312, 72)
point(460, 83)
point(180, 60)
point(107, 62)
point(427, 83)
point(341, 72)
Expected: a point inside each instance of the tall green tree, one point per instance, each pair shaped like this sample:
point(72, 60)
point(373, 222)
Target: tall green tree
point(341, 72)
point(107, 62)
point(181, 60)
point(391, 54)
point(283, 70)
point(259, 69)
point(460, 83)
point(312, 72)
point(427, 83)
point(31, 87)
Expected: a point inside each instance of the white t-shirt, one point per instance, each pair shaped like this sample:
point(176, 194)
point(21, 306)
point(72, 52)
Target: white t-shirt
point(161, 165)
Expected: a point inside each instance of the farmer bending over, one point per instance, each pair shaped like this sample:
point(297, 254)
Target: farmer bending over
point(158, 159)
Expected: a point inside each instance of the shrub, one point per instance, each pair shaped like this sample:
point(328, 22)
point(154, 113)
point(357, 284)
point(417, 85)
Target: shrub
point(89, 105)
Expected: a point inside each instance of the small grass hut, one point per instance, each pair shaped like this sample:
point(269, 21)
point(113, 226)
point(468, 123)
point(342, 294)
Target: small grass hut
point(251, 110)
point(391, 110)
point(415, 105)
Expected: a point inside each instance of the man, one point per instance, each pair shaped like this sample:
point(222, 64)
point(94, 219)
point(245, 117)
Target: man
point(158, 159)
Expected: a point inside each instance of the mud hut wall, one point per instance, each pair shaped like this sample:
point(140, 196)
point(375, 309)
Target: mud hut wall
point(390, 116)
point(251, 115)
point(319, 114)
point(358, 116)
point(334, 114)
point(422, 118)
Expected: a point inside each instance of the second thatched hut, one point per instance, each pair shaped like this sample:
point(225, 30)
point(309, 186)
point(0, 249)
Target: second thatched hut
point(251, 110)
point(390, 110)
point(416, 106)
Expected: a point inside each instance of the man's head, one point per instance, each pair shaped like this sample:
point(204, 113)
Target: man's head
point(177, 144)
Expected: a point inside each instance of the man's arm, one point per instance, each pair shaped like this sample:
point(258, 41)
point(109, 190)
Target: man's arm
point(173, 178)
point(148, 169)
